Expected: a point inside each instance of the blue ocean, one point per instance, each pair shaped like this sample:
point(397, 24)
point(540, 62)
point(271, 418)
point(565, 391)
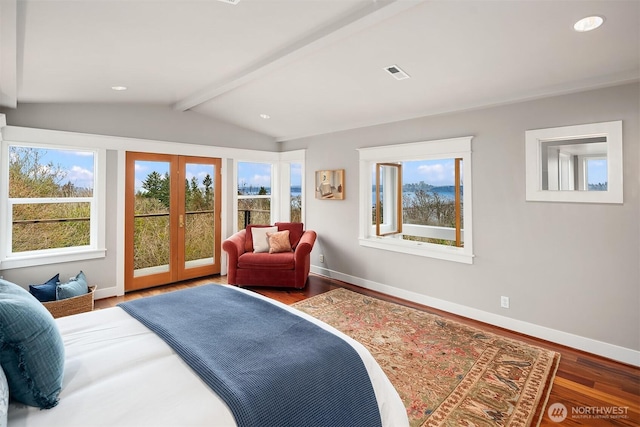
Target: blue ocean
point(446, 192)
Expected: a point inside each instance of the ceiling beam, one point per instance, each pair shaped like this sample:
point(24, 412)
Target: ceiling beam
point(376, 11)
point(8, 54)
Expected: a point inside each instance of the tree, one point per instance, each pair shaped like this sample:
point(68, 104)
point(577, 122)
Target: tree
point(208, 191)
point(197, 198)
point(429, 208)
point(157, 187)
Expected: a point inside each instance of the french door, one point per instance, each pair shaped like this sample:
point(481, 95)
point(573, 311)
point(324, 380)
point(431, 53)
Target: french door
point(172, 218)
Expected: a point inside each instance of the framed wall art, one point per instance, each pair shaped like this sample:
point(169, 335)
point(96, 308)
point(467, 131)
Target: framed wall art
point(330, 184)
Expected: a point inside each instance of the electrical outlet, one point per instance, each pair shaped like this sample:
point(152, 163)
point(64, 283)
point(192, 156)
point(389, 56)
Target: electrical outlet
point(321, 258)
point(504, 302)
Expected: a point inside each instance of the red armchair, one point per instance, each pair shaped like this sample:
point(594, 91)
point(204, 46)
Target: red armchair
point(284, 269)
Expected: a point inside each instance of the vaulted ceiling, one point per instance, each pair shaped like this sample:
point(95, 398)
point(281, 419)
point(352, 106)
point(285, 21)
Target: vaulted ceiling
point(312, 66)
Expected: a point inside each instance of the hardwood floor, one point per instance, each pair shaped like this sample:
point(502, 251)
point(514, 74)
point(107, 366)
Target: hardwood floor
point(595, 391)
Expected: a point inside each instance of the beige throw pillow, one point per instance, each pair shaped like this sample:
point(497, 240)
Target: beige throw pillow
point(260, 239)
point(279, 242)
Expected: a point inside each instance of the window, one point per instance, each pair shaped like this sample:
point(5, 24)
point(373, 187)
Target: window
point(51, 208)
point(594, 173)
point(387, 203)
point(415, 199)
point(254, 193)
point(295, 192)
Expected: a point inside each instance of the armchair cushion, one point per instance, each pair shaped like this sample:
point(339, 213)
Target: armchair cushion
point(248, 237)
point(279, 242)
point(260, 238)
point(295, 231)
point(266, 261)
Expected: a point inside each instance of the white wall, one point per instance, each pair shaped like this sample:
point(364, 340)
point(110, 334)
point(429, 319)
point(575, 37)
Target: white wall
point(155, 122)
point(572, 271)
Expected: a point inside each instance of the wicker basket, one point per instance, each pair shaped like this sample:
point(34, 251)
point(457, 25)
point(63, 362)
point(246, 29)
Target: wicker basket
point(69, 306)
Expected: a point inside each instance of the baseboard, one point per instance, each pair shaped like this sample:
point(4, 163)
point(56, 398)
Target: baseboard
point(102, 293)
point(611, 351)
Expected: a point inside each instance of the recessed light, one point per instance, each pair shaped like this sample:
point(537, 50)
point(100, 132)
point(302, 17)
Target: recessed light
point(589, 23)
point(265, 116)
point(119, 88)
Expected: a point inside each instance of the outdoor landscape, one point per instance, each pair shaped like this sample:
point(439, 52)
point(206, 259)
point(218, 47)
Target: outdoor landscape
point(61, 218)
point(151, 225)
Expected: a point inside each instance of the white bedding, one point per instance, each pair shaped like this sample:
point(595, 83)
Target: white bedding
point(119, 373)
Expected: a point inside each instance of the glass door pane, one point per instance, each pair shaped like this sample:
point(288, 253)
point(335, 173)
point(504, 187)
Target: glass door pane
point(199, 216)
point(198, 226)
point(151, 230)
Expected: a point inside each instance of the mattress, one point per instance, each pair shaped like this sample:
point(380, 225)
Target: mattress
point(119, 373)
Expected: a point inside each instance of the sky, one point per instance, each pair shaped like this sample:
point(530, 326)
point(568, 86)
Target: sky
point(144, 168)
point(78, 165)
point(254, 174)
point(251, 174)
point(434, 172)
point(597, 171)
point(80, 170)
point(259, 174)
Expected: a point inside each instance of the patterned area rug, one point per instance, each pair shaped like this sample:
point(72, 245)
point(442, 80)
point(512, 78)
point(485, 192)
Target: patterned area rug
point(447, 373)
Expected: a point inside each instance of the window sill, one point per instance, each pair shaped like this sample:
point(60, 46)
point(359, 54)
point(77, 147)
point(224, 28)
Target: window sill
point(20, 261)
point(447, 253)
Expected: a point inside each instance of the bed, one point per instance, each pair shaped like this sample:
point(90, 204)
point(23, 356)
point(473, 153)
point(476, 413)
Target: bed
point(117, 372)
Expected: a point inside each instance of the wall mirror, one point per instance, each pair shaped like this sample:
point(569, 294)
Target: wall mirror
point(580, 163)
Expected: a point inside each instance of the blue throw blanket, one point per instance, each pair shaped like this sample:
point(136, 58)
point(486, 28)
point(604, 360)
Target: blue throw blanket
point(271, 367)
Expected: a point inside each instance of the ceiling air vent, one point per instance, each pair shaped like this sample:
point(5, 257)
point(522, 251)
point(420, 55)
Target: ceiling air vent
point(396, 72)
point(233, 2)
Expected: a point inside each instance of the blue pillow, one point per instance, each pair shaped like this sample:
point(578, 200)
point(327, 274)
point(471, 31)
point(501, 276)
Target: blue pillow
point(31, 348)
point(76, 286)
point(47, 291)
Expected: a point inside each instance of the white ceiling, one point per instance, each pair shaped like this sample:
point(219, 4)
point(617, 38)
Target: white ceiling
point(314, 66)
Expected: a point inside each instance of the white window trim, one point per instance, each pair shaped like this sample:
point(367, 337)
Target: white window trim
point(436, 149)
point(96, 248)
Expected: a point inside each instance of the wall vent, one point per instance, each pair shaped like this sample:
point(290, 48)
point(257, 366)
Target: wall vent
point(396, 72)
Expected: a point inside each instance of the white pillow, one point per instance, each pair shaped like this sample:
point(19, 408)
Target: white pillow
point(260, 239)
point(4, 398)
